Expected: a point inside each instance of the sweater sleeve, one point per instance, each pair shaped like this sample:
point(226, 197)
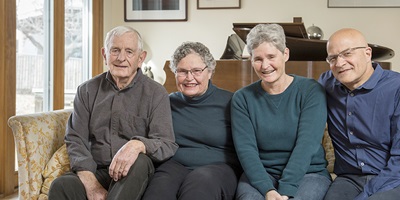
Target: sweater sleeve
point(312, 122)
point(244, 139)
point(77, 135)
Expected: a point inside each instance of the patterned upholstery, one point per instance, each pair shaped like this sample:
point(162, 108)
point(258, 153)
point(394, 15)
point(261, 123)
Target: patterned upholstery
point(37, 137)
point(329, 152)
point(57, 166)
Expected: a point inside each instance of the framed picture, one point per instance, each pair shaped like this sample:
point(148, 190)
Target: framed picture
point(218, 4)
point(363, 3)
point(151, 10)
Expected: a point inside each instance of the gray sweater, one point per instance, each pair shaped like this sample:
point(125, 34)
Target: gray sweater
point(105, 118)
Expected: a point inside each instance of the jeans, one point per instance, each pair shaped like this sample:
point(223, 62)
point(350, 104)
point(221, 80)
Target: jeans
point(312, 187)
point(347, 187)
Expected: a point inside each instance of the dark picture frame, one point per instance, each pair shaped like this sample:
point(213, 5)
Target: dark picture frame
point(363, 3)
point(218, 4)
point(166, 10)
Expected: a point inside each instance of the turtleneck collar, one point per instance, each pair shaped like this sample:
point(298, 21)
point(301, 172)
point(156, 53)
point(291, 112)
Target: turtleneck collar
point(198, 99)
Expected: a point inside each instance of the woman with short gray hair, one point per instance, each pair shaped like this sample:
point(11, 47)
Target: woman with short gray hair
point(205, 165)
point(277, 126)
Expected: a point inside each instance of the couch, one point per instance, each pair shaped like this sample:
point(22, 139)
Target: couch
point(42, 154)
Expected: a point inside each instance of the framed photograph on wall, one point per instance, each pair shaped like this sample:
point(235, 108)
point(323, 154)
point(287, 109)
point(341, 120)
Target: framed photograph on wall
point(363, 3)
point(161, 10)
point(218, 4)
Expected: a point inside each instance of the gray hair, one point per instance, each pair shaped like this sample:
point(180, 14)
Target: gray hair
point(270, 33)
point(187, 48)
point(118, 31)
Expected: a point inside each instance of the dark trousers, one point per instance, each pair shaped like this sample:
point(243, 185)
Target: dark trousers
point(172, 181)
point(347, 187)
point(132, 186)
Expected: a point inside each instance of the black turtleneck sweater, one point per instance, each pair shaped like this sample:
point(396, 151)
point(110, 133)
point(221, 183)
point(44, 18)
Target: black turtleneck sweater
point(202, 127)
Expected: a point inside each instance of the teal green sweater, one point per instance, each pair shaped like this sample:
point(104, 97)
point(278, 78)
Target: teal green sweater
point(202, 127)
point(280, 134)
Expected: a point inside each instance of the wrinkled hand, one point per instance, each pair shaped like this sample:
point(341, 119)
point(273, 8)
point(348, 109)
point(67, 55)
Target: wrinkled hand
point(124, 159)
point(94, 190)
point(274, 195)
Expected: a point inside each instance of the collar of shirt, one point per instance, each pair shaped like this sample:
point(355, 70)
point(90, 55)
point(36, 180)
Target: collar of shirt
point(138, 77)
point(371, 82)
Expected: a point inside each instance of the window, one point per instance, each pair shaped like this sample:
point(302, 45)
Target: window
point(32, 83)
point(34, 53)
point(76, 47)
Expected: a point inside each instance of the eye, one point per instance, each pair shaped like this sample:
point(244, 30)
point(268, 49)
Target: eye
point(331, 58)
point(347, 53)
point(196, 70)
point(115, 50)
point(129, 53)
point(181, 71)
point(257, 60)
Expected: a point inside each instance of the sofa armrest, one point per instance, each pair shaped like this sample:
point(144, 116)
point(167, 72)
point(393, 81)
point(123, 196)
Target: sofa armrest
point(37, 136)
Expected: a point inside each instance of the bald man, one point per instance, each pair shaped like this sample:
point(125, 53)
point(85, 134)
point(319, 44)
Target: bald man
point(363, 120)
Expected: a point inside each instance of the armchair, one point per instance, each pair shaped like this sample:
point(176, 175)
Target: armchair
point(37, 138)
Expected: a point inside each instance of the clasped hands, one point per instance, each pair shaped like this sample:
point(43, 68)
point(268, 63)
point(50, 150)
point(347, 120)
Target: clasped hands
point(274, 195)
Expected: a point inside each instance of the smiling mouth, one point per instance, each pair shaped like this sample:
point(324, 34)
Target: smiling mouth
point(342, 71)
point(267, 72)
point(190, 85)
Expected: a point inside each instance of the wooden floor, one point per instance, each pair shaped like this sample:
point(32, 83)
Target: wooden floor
point(11, 197)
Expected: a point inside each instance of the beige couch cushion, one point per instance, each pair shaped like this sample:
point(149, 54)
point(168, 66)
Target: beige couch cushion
point(57, 166)
point(329, 152)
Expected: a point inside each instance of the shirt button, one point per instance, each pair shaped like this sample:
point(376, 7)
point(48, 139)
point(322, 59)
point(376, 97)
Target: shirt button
point(350, 113)
point(362, 164)
point(351, 132)
point(352, 94)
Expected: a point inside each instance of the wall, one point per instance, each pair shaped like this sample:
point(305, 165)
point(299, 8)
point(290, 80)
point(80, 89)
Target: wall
point(212, 27)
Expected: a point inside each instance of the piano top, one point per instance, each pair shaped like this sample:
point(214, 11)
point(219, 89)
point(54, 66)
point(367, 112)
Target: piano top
point(304, 49)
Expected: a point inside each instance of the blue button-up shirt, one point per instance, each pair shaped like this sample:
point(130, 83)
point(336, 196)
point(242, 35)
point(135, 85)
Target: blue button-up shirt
point(365, 128)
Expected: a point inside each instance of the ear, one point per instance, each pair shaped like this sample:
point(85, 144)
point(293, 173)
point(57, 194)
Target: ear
point(286, 54)
point(142, 57)
point(103, 53)
point(368, 52)
point(210, 73)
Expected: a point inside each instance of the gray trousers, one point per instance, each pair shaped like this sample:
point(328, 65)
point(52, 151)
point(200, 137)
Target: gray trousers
point(347, 187)
point(173, 181)
point(132, 186)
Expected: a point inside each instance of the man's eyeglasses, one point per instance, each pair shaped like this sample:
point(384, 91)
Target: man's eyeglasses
point(185, 72)
point(332, 59)
point(128, 53)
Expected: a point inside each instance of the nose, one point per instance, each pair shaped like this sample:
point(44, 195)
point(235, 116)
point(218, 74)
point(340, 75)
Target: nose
point(121, 56)
point(340, 61)
point(265, 64)
point(189, 75)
